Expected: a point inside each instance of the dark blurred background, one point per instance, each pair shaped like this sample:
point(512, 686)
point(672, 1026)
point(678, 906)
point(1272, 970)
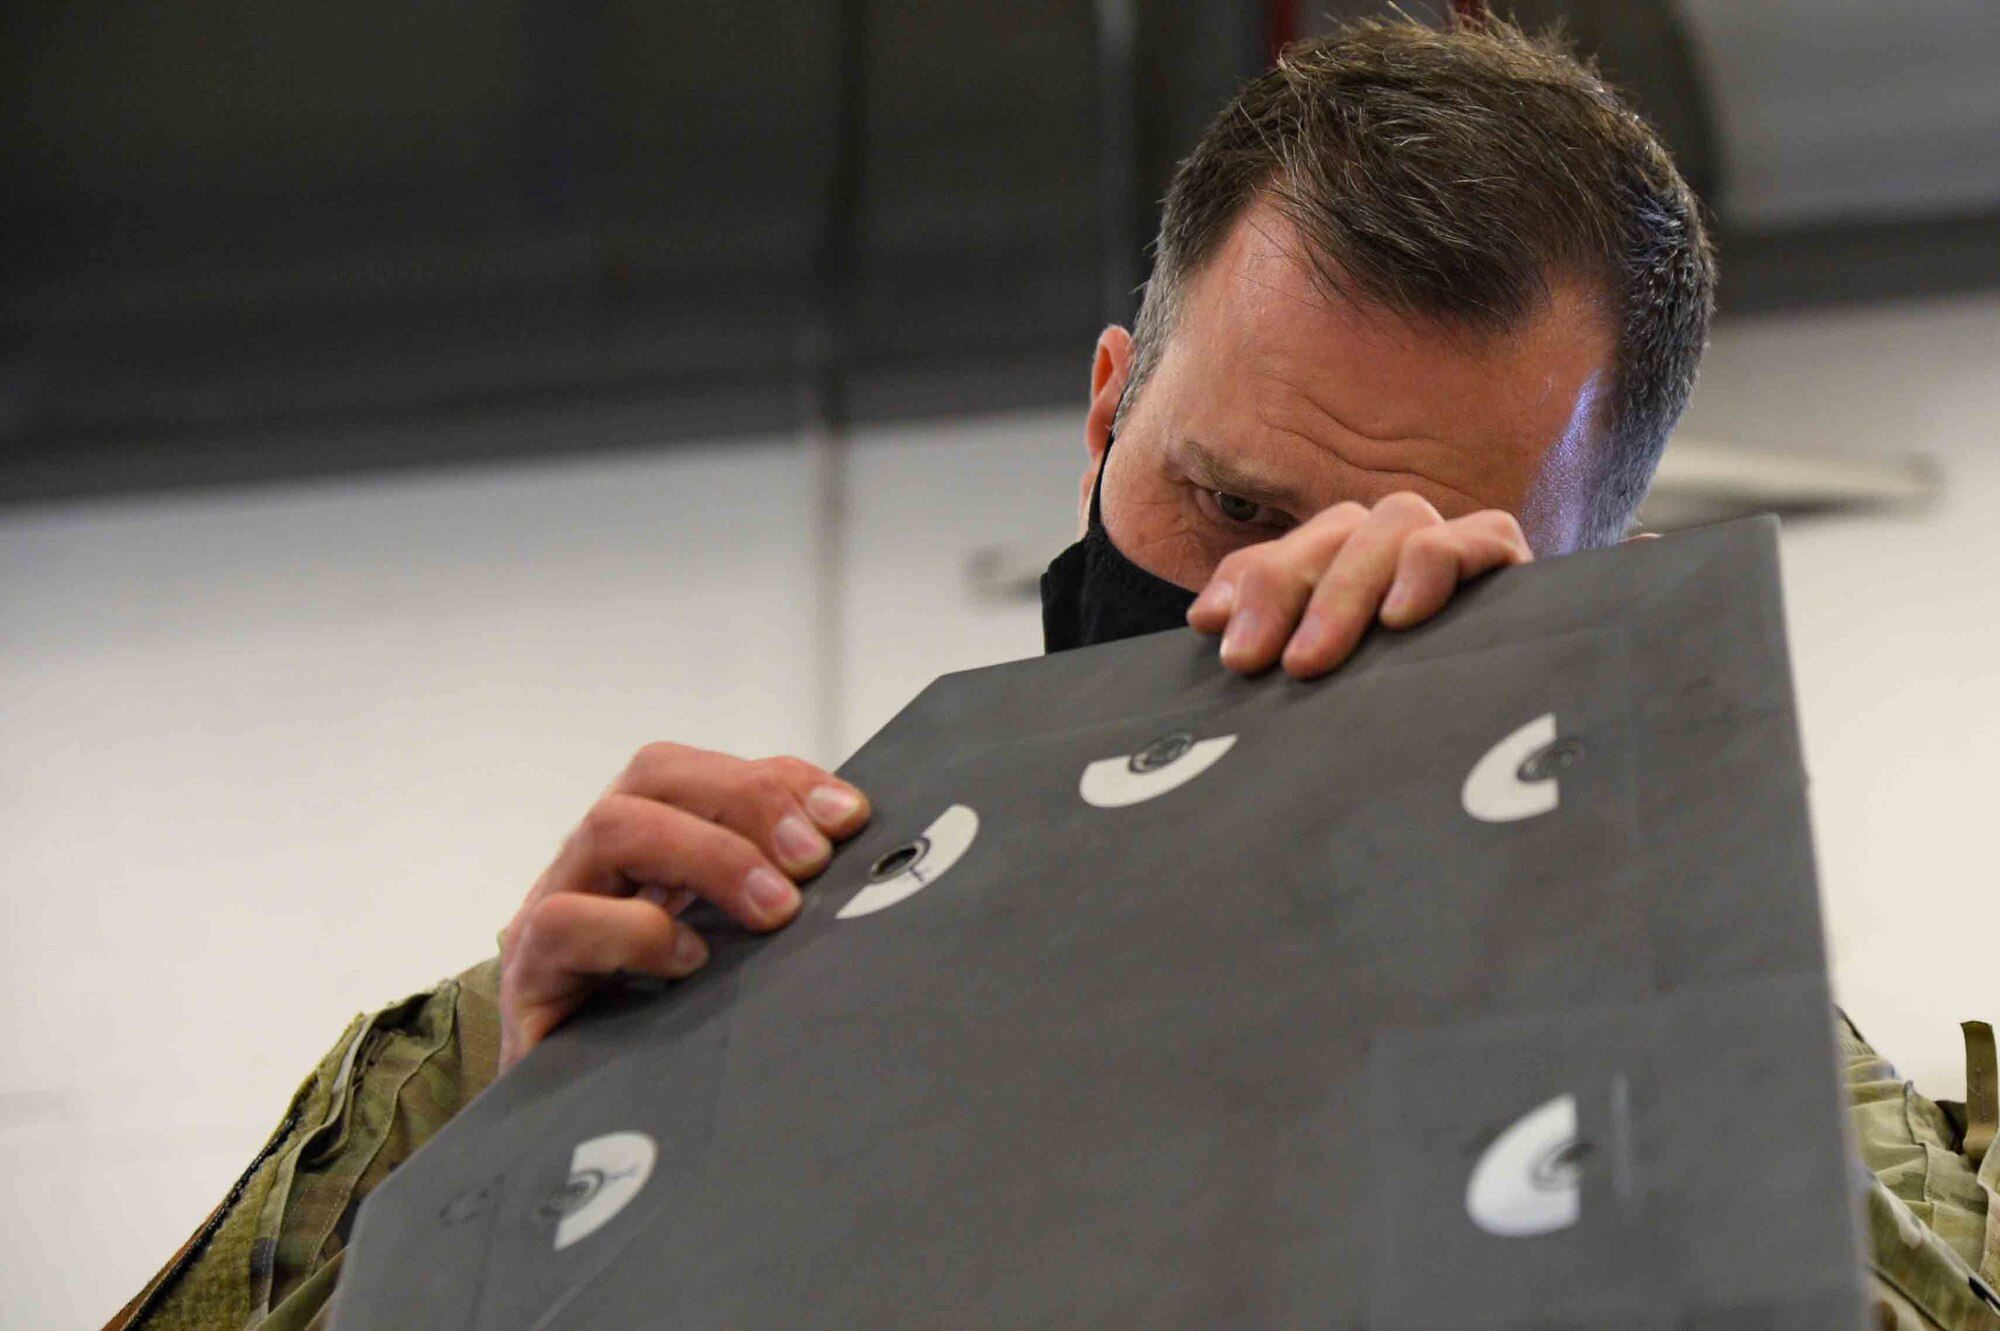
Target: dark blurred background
point(242, 237)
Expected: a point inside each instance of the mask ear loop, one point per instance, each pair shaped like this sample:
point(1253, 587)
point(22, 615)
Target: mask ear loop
point(1097, 482)
point(1110, 438)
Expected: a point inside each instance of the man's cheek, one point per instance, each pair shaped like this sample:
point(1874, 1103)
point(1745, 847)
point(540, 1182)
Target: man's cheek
point(1170, 540)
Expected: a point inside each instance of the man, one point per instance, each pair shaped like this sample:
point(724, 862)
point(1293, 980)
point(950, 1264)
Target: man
point(1424, 304)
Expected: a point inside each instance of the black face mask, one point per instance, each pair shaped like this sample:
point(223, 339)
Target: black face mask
point(1091, 593)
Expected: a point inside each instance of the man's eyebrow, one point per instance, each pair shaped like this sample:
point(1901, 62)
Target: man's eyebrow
point(1217, 471)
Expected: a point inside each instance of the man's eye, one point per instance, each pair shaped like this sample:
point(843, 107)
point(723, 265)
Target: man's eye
point(1244, 512)
point(1235, 507)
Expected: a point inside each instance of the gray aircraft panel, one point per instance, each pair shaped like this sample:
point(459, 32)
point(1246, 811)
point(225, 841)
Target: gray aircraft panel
point(1478, 984)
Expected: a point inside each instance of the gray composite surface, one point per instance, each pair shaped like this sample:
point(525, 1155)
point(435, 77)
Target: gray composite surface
point(1226, 1047)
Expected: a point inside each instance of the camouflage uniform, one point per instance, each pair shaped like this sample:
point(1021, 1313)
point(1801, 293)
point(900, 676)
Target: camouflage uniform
point(267, 1259)
point(1932, 1216)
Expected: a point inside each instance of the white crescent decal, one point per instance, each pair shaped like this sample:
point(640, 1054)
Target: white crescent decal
point(1529, 1181)
point(911, 868)
point(1133, 778)
point(605, 1174)
point(1496, 791)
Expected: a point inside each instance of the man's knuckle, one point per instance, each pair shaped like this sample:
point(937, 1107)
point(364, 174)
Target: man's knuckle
point(544, 926)
point(1429, 542)
point(1263, 556)
point(597, 820)
point(1346, 514)
point(658, 753)
point(651, 761)
point(1260, 576)
point(1499, 523)
point(790, 771)
point(603, 824)
point(1408, 506)
point(764, 787)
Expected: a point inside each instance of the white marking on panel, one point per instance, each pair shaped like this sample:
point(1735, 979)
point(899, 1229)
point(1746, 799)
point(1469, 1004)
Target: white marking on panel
point(607, 1172)
point(1110, 783)
point(1528, 1182)
point(948, 838)
point(1494, 791)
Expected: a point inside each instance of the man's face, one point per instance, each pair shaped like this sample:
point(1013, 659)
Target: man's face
point(1273, 401)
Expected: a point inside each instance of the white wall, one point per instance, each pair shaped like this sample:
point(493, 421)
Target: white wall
point(1895, 629)
point(922, 504)
point(275, 758)
point(279, 756)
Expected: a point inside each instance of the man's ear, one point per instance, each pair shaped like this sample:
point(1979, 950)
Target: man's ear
point(1110, 366)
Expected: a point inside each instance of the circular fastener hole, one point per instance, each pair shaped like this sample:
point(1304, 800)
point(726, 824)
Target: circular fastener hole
point(573, 1194)
point(1164, 750)
point(1557, 1169)
point(898, 860)
point(1556, 756)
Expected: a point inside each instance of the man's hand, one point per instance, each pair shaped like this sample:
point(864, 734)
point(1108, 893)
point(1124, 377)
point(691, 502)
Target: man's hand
point(677, 825)
point(1308, 596)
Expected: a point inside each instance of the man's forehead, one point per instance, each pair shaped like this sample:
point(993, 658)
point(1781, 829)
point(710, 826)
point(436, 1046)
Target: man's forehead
point(1295, 391)
point(1263, 305)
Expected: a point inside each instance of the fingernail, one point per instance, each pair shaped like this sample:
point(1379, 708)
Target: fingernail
point(832, 806)
point(799, 843)
point(1243, 626)
point(770, 892)
point(1310, 637)
point(689, 951)
point(1396, 602)
point(1218, 596)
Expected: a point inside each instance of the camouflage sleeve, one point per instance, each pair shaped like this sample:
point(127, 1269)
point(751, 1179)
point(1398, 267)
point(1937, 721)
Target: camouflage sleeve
point(266, 1259)
point(1932, 1228)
